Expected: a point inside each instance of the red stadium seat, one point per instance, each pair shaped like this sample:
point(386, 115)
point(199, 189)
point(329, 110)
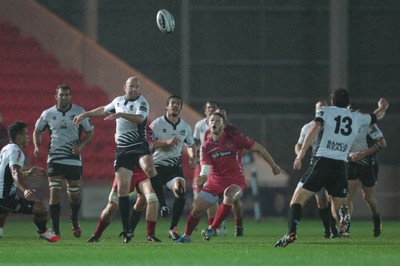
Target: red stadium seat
point(28, 78)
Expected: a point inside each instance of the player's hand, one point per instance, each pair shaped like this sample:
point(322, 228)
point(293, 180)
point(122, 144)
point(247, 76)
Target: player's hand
point(30, 194)
point(37, 152)
point(36, 172)
point(77, 119)
point(165, 211)
point(383, 103)
point(356, 156)
point(76, 149)
point(200, 180)
point(276, 170)
point(297, 164)
point(173, 142)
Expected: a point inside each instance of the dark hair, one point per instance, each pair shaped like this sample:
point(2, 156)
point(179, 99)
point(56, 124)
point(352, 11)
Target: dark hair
point(340, 97)
point(210, 102)
point(174, 97)
point(15, 128)
point(63, 87)
point(220, 115)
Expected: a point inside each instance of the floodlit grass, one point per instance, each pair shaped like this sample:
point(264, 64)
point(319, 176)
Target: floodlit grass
point(20, 246)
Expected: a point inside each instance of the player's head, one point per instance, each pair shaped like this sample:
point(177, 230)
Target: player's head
point(319, 104)
point(132, 88)
point(174, 105)
point(340, 98)
point(216, 123)
point(18, 133)
point(223, 112)
point(210, 107)
point(63, 96)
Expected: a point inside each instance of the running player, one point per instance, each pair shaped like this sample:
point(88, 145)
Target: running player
point(220, 152)
point(321, 197)
point(340, 128)
point(361, 168)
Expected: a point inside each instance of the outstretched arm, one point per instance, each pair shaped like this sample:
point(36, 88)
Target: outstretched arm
point(97, 112)
point(267, 157)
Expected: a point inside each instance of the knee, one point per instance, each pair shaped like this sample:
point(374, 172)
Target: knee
point(151, 198)
point(197, 213)
point(232, 194)
point(179, 191)
point(39, 209)
point(55, 184)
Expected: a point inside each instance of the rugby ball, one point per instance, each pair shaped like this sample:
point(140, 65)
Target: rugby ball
point(165, 21)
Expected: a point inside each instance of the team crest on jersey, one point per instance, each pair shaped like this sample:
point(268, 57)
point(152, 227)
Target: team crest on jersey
point(183, 132)
point(131, 107)
point(71, 117)
point(63, 125)
point(54, 117)
point(164, 130)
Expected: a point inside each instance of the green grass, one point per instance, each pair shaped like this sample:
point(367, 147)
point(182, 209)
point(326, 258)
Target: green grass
point(20, 246)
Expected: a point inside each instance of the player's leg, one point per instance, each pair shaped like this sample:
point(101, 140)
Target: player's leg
point(123, 176)
point(231, 194)
point(369, 197)
point(178, 187)
point(55, 186)
point(323, 211)
point(147, 164)
point(203, 202)
point(148, 198)
point(299, 199)
point(106, 216)
point(74, 195)
point(3, 217)
point(237, 209)
point(353, 184)
point(344, 215)
point(39, 212)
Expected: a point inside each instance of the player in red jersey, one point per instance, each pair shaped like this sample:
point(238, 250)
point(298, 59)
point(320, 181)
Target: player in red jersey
point(221, 153)
point(145, 197)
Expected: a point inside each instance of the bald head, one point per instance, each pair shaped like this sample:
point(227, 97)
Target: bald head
point(132, 88)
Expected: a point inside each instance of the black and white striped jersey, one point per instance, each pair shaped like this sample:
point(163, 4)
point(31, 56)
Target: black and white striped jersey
point(63, 133)
point(11, 154)
point(129, 134)
point(164, 129)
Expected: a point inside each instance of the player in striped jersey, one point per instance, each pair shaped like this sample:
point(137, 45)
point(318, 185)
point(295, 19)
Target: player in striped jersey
point(12, 178)
point(131, 112)
point(64, 159)
point(321, 197)
point(170, 133)
point(361, 168)
point(340, 128)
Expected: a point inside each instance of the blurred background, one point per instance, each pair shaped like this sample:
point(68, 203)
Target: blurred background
point(266, 61)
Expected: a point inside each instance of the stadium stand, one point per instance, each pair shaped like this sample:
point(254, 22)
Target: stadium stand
point(28, 78)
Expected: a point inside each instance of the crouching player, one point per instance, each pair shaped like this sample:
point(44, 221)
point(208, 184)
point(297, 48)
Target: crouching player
point(145, 197)
point(12, 177)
